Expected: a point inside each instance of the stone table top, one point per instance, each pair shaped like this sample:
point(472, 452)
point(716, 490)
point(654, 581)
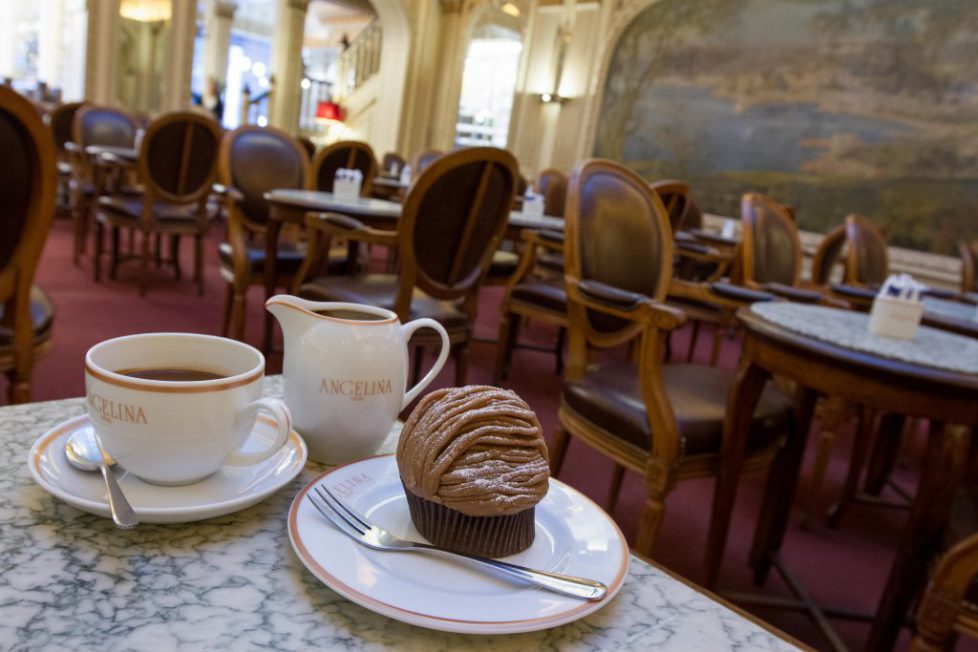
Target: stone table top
point(71, 580)
point(951, 309)
point(929, 347)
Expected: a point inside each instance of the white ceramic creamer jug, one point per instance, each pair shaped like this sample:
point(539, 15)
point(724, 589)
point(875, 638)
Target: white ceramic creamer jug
point(346, 369)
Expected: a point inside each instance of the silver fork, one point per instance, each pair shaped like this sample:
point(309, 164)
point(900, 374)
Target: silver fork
point(358, 528)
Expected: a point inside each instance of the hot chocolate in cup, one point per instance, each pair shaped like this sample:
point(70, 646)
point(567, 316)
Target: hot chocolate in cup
point(173, 408)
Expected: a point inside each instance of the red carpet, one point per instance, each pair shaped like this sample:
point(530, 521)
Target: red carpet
point(846, 566)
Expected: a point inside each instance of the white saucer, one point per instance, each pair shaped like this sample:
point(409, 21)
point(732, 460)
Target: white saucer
point(573, 536)
point(229, 490)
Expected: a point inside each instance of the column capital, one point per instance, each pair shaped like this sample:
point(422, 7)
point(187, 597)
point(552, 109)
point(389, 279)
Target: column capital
point(452, 6)
point(301, 5)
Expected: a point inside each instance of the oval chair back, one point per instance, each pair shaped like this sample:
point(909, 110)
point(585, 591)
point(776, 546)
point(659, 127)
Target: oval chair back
point(62, 121)
point(771, 249)
point(348, 154)
point(103, 125)
point(255, 160)
point(676, 197)
point(552, 184)
point(424, 158)
point(178, 157)
point(867, 260)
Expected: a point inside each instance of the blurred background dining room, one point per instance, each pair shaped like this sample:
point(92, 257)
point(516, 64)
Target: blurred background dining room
point(705, 157)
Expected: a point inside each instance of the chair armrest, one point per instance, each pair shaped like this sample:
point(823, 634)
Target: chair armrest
point(713, 238)
point(853, 292)
point(691, 246)
point(940, 293)
point(740, 294)
point(344, 226)
point(623, 304)
point(550, 240)
point(791, 293)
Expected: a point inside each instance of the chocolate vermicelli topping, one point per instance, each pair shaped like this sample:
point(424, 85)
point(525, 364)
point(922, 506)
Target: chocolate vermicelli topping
point(475, 449)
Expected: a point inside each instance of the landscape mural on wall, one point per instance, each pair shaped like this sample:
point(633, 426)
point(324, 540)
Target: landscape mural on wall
point(831, 106)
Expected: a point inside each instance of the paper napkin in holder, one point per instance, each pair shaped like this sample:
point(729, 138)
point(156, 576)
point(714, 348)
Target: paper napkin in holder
point(347, 184)
point(532, 204)
point(897, 309)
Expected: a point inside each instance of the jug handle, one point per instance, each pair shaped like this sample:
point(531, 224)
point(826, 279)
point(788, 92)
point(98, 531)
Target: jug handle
point(406, 331)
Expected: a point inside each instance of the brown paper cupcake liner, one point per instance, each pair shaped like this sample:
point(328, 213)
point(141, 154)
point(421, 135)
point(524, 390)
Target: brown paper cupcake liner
point(489, 536)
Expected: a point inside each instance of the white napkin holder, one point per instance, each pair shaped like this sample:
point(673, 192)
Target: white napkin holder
point(532, 204)
point(897, 309)
point(347, 184)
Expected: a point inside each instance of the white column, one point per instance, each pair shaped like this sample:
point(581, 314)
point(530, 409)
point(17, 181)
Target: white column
point(102, 65)
point(50, 43)
point(217, 44)
point(75, 46)
point(178, 66)
point(8, 38)
point(287, 64)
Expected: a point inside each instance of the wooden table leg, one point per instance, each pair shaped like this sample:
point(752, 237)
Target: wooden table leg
point(857, 460)
point(885, 453)
point(272, 228)
point(943, 468)
point(741, 401)
point(782, 481)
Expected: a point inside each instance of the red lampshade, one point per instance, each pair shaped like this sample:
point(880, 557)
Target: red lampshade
point(329, 111)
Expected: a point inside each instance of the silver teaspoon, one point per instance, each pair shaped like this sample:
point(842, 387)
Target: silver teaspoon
point(84, 453)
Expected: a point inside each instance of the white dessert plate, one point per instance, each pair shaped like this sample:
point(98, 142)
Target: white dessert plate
point(573, 536)
point(231, 489)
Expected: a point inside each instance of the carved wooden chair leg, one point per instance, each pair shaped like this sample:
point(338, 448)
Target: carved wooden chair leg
point(860, 448)
point(461, 363)
point(158, 250)
point(199, 263)
point(561, 338)
point(144, 264)
point(558, 450)
point(886, 449)
point(19, 386)
point(226, 315)
point(508, 330)
point(78, 221)
point(718, 333)
point(175, 255)
point(98, 251)
point(649, 522)
point(616, 479)
point(692, 341)
point(239, 310)
point(114, 252)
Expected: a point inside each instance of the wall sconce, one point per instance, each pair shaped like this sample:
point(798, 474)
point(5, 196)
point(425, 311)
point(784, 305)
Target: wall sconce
point(561, 44)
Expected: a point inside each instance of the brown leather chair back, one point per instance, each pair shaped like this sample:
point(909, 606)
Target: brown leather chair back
point(102, 125)
point(307, 145)
point(552, 184)
point(178, 156)
point(676, 197)
point(62, 121)
point(771, 250)
point(348, 154)
point(28, 177)
point(868, 261)
point(617, 233)
point(453, 218)
point(391, 159)
point(827, 255)
point(969, 265)
point(424, 158)
point(255, 160)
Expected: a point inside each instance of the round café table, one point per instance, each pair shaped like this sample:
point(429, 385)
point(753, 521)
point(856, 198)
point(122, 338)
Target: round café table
point(290, 206)
point(830, 352)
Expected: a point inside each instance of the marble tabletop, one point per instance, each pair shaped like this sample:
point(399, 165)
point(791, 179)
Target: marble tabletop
point(71, 580)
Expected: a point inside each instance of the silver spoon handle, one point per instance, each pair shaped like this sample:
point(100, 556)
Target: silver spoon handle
point(122, 512)
point(575, 587)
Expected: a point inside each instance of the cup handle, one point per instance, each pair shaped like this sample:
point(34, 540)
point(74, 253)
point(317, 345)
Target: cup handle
point(283, 424)
point(406, 332)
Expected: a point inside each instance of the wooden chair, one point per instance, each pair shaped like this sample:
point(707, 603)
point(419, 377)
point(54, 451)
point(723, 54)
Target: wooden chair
point(552, 184)
point(348, 154)
point(28, 178)
point(393, 161)
point(867, 263)
point(423, 159)
point(254, 160)
point(677, 197)
point(177, 166)
point(61, 121)
point(453, 217)
point(93, 125)
point(663, 421)
point(307, 145)
point(827, 256)
point(969, 265)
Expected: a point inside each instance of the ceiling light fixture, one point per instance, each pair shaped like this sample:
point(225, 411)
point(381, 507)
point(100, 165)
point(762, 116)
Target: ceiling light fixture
point(146, 11)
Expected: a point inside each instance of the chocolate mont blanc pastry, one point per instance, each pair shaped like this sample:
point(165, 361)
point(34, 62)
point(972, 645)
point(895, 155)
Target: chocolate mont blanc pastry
point(474, 465)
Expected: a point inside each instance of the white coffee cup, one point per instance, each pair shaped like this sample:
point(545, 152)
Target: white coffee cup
point(179, 432)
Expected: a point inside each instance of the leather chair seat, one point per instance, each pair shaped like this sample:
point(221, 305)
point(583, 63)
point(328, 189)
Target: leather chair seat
point(551, 295)
point(504, 264)
point(609, 396)
point(551, 260)
point(289, 260)
point(381, 290)
point(131, 207)
point(42, 316)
